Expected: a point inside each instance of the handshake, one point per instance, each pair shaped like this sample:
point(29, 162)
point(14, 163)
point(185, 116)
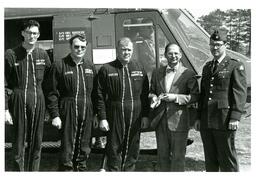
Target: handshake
point(156, 100)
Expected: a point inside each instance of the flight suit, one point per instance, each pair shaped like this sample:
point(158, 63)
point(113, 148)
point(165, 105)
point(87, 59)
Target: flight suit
point(223, 96)
point(122, 100)
point(70, 98)
point(24, 75)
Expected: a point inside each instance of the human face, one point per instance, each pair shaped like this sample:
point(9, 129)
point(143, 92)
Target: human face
point(173, 55)
point(30, 34)
point(147, 32)
point(78, 48)
point(217, 48)
point(125, 51)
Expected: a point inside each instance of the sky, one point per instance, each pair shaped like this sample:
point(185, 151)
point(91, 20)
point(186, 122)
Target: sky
point(203, 11)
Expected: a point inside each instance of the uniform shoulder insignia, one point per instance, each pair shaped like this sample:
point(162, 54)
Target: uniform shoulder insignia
point(241, 68)
point(235, 59)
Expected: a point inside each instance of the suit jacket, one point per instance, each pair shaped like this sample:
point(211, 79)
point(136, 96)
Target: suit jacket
point(223, 94)
point(185, 85)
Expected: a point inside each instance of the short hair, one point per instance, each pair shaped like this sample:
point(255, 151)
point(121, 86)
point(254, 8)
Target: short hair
point(30, 23)
point(170, 44)
point(81, 37)
point(124, 41)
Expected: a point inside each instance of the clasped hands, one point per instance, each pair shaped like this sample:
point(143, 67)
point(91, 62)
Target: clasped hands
point(168, 97)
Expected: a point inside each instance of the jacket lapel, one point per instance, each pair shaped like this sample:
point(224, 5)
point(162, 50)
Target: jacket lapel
point(180, 70)
point(162, 73)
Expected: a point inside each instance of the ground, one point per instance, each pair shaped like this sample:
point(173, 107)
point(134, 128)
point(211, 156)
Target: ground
point(148, 162)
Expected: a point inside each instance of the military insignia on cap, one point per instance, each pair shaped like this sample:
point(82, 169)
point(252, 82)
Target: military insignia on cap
point(220, 34)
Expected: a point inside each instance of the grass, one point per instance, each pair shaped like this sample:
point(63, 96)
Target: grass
point(194, 155)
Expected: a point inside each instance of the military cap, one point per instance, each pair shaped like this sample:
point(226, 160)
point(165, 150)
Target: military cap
point(219, 35)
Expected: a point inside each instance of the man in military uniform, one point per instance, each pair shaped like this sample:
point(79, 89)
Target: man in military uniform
point(123, 107)
point(26, 67)
point(222, 100)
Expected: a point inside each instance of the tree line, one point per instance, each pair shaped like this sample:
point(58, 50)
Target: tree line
point(238, 24)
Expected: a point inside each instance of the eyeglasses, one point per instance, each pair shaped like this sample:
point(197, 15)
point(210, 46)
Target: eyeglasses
point(216, 45)
point(31, 33)
point(78, 46)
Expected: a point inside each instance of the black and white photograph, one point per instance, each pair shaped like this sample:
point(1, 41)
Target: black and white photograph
point(112, 88)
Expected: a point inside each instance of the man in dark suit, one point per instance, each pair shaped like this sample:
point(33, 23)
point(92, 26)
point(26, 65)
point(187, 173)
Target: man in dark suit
point(173, 87)
point(221, 103)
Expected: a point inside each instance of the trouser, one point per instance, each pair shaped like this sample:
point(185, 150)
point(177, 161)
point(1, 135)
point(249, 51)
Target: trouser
point(28, 127)
point(219, 150)
point(123, 141)
point(75, 135)
point(171, 148)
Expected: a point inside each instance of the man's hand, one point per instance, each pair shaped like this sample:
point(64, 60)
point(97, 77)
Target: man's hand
point(8, 118)
point(233, 124)
point(155, 102)
point(144, 122)
point(169, 97)
point(104, 125)
point(197, 125)
point(56, 122)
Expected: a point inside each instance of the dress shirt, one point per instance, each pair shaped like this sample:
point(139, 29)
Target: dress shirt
point(170, 73)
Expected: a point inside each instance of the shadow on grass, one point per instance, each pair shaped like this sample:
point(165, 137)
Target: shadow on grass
point(146, 163)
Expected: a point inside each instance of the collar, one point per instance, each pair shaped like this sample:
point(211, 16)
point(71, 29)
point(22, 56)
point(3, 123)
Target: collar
point(27, 48)
point(221, 58)
point(77, 63)
point(174, 69)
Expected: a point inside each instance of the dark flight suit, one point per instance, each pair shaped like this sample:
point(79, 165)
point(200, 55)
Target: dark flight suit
point(26, 103)
point(122, 100)
point(223, 96)
point(70, 98)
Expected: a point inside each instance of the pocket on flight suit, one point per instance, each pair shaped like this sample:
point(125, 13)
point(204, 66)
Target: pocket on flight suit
point(40, 72)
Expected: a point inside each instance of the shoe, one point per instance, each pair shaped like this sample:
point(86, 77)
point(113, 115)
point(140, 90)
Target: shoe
point(98, 144)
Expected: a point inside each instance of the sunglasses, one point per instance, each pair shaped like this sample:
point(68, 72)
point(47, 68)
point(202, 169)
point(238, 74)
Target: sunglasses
point(31, 33)
point(78, 46)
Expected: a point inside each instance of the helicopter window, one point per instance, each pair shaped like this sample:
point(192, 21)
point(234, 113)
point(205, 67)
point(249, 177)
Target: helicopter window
point(142, 32)
point(196, 40)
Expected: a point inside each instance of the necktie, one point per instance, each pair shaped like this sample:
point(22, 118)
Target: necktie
point(215, 65)
point(170, 69)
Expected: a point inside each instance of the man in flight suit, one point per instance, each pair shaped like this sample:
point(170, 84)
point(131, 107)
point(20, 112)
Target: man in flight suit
point(25, 69)
point(123, 107)
point(71, 97)
point(221, 104)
